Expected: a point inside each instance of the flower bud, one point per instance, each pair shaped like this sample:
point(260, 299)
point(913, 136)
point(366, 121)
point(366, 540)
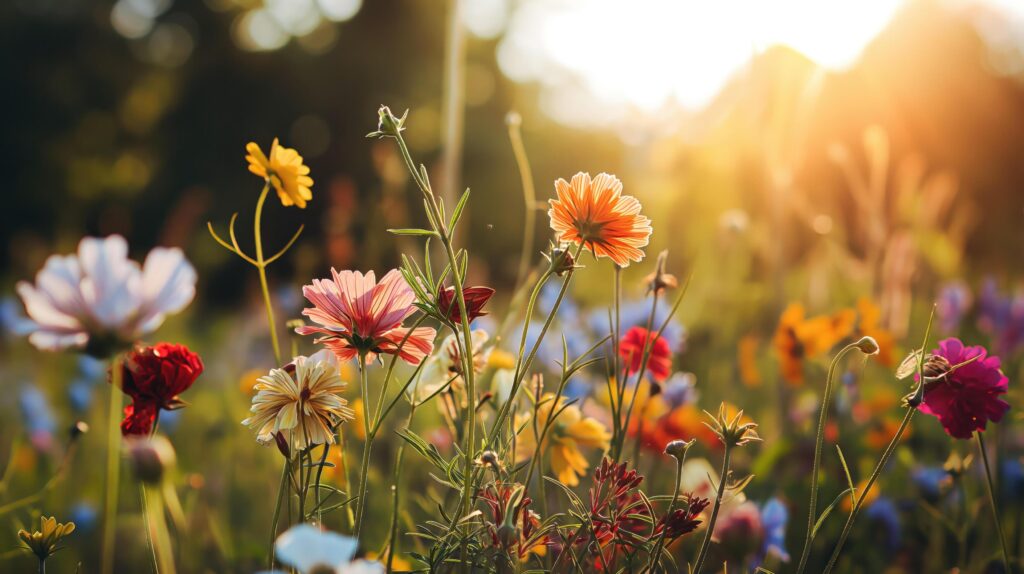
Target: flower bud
point(560, 260)
point(678, 448)
point(150, 458)
point(282, 445)
point(389, 125)
point(867, 345)
point(78, 429)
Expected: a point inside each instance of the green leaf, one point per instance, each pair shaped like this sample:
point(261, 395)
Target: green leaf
point(827, 511)
point(457, 214)
point(417, 232)
point(846, 469)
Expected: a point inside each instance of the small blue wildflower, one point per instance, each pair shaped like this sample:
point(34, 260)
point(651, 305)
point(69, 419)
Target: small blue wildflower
point(929, 480)
point(84, 515)
point(774, 517)
point(885, 512)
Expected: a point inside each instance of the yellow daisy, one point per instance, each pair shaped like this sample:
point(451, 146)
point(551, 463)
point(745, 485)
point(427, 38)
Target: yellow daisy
point(284, 170)
point(569, 431)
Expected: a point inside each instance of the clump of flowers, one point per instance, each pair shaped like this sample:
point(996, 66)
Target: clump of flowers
point(964, 398)
point(594, 214)
point(357, 316)
point(154, 377)
point(100, 301)
point(300, 402)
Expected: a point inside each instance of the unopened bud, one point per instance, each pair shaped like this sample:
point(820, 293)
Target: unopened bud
point(282, 445)
point(867, 345)
point(78, 429)
point(677, 448)
point(150, 458)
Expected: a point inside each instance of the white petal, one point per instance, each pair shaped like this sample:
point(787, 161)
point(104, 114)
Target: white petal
point(41, 309)
point(110, 280)
point(362, 567)
point(45, 340)
point(305, 547)
point(168, 286)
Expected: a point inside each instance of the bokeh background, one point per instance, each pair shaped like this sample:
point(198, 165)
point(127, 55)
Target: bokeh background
point(789, 151)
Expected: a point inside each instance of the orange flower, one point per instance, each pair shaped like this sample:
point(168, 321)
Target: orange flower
point(869, 325)
point(284, 170)
point(798, 338)
point(595, 214)
point(746, 354)
point(880, 432)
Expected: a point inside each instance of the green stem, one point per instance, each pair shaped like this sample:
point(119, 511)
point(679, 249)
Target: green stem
point(655, 556)
point(816, 467)
point(281, 490)
point(992, 501)
point(529, 199)
point(702, 555)
point(113, 468)
point(367, 445)
point(157, 525)
point(867, 488)
point(149, 528)
point(396, 490)
point(644, 360)
point(261, 266)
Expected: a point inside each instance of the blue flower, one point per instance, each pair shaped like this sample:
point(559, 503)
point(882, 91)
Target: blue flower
point(38, 417)
point(929, 480)
point(1013, 479)
point(774, 517)
point(884, 512)
point(84, 515)
point(679, 389)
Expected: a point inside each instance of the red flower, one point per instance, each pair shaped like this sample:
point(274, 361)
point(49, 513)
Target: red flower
point(476, 298)
point(966, 398)
point(659, 360)
point(154, 377)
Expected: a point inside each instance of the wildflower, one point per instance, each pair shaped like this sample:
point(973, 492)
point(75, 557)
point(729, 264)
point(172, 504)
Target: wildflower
point(682, 521)
point(659, 359)
point(774, 516)
point(659, 280)
point(302, 401)
point(38, 416)
point(618, 513)
point(284, 170)
point(100, 301)
point(560, 261)
point(731, 428)
point(475, 297)
point(151, 458)
point(746, 355)
point(965, 398)
point(1001, 316)
point(359, 316)
point(445, 367)
point(952, 303)
point(513, 526)
point(595, 214)
point(154, 377)
point(884, 513)
point(44, 542)
point(739, 531)
point(869, 326)
point(569, 431)
point(798, 338)
point(311, 550)
point(677, 448)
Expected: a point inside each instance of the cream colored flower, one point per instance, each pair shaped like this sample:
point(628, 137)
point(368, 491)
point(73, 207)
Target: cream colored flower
point(303, 401)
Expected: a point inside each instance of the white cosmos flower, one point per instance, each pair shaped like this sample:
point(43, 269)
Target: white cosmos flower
point(98, 298)
point(313, 551)
point(446, 366)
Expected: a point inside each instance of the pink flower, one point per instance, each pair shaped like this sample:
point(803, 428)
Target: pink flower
point(967, 397)
point(100, 300)
point(659, 359)
point(359, 315)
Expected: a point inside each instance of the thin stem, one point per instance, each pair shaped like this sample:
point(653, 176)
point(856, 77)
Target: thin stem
point(316, 484)
point(158, 533)
point(816, 467)
point(281, 490)
point(867, 488)
point(655, 556)
point(113, 468)
point(396, 490)
point(149, 528)
point(529, 200)
point(702, 555)
point(992, 501)
point(261, 266)
point(367, 445)
point(644, 360)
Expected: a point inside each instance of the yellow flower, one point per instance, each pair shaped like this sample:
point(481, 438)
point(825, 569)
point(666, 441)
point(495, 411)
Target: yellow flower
point(284, 170)
point(43, 543)
point(568, 432)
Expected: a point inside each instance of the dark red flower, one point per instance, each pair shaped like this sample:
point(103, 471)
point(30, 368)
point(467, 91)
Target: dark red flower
point(476, 298)
point(967, 397)
point(659, 360)
point(154, 377)
point(682, 521)
point(139, 418)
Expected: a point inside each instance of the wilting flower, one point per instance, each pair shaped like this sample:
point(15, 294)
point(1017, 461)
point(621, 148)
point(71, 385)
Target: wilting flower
point(302, 401)
point(313, 551)
point(569, 431)
point(798, 338)
point(659, 358)
point(595, 214)
point(513, 526)
point(99, 300)
point(44, 542)
point(358, 315)
point(475, 297)
point(284, 170)
point(965, 398)
point(447, 366)
point(660, 280)
point(154, 377)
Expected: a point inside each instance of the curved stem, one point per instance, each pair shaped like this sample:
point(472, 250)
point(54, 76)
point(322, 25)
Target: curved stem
point(818, 443)
point(992, 501)
point(702, 555)
point(529, 199)
point(113, 468)
point(867, 488)
point(261, 266)
point(281, 490)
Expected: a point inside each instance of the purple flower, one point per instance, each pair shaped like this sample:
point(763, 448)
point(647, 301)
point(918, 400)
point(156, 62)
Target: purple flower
point(1001, 317)
point(966, 398)
point(954, 300)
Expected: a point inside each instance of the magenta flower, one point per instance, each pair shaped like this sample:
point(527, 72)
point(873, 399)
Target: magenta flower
point(967, 397)
point(359, 315)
